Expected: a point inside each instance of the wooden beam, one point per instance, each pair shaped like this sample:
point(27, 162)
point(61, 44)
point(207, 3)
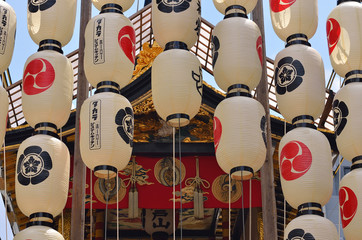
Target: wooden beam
point(267, 171)
point(79, 169)
point(327, 109)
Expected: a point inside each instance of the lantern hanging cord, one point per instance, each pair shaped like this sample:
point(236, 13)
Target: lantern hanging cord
point(284, 202)
point(6, 194)
point(117, 185)
point(173, 183)
point(339, 212)
point(242, 207)
point(179, 150)
point(106, 217)
point(91, 203)
point(229, 215)
point(197, 181)
point(250, 192)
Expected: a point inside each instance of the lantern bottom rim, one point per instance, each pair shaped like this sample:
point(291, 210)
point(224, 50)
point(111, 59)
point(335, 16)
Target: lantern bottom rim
point(242, 173)
point(105, 171)
point(178, 120)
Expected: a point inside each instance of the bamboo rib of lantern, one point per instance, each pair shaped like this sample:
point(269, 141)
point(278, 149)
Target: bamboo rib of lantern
point(304, 153)
point(43, 160)
point(344, 35)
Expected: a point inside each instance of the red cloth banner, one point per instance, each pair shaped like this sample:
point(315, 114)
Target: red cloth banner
point(154, 185)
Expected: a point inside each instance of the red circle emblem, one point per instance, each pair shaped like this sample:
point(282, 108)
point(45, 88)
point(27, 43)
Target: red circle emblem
point(39, 75)
point(217, 132)
point(348, 205)
point(295, 160)
point(127, 41)
point(259, 49)
point(280, 5)
point(333, 33)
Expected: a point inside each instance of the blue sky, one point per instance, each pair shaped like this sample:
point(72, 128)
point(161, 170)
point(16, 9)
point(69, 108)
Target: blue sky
point(24, 46)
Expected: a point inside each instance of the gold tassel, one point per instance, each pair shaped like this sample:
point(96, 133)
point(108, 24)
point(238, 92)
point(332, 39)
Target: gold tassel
point(130, 203)
point(201, 204)
point(135, 203)
point(196, 203)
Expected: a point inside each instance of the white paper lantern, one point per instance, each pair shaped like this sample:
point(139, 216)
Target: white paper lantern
point(125, 4)
point(222, 5)
point(38, 232)
point(239, 135)
point(176, 86)
point(107, 133)
point(305, 163)
point(47, 92)
point(4, 106)
point(42, 175)
point(350, 201)
point(299, 80)
point(344, 33)
point(7, 35)
point(291, 17)
point(109, 49)
point(347, 109)
point(237, 53)
point(51, 19)
point(311, 227)
point(176, 21)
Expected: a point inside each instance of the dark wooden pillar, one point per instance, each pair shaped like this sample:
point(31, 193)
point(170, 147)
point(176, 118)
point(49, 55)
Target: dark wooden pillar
point(267, 171)
point(79, 169)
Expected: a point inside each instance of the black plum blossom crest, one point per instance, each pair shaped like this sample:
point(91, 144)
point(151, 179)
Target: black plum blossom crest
point(33, 166)
point(215, 49)
point(340, 112)
point(288, 75)
point(167, 6)
point(36, 5)
point(124, 120)
point(263, 128)
point(299, 234)
point(198, 21)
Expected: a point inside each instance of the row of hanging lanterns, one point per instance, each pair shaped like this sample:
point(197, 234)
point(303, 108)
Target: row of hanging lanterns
point(239, 120)
point(43, 160)
point(176, 78)
point(7, 41)
point(344, 33)
point(106, 139)
point(305, 159)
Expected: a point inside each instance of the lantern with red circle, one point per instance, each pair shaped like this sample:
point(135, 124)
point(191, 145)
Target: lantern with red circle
point(291, 18)
point(344, 35)
point(110, 47)
point(305, 167)
point(240, 136)
point(48, 77)
point(350, 195)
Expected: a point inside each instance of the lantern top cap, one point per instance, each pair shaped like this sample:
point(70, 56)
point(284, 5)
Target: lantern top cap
point(342, 1)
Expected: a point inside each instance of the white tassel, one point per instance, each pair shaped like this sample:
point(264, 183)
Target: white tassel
point(135, 203)
point(130, 203)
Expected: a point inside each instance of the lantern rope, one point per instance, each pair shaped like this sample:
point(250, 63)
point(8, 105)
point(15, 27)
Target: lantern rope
point(173, 183)
point(250, 208)
point(117, 206)
point(229, 207)
point(106, 217)
point(339, 212)
point(6, 194)
point(91, 202)
point(179, 150)
point(284, 202)
point(242, 205)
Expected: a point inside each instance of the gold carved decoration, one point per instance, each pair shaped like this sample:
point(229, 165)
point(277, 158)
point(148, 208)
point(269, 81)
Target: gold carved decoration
point(146, 58)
